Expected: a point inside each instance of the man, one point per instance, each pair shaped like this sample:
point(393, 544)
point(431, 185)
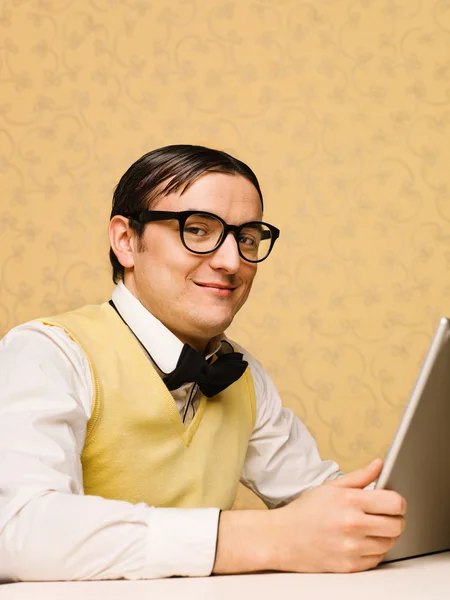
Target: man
point(125, 427)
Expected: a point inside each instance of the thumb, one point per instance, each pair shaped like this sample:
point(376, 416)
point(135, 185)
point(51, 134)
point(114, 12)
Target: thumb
point(360, 478)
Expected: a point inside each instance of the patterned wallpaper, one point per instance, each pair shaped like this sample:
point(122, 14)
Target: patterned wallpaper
point(342, 107)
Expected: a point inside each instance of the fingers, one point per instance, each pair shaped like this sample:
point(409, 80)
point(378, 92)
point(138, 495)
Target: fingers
point(361, 477)
point(382, 502)
point(361, 563)
point(372, 552)
point(382, 526)
point(377, 546)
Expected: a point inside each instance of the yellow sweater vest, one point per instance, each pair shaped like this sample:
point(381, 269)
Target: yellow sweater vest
point(137, 448)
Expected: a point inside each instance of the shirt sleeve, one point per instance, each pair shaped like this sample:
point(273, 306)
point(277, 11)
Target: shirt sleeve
point(50, 530)
point(282, 459)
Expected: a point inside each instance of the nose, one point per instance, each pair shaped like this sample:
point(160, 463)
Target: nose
point(226, 257)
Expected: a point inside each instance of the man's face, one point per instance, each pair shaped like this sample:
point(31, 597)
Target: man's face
point(196, 296)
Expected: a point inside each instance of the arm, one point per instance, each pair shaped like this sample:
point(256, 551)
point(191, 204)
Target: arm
point(321, 521)
point(49, 530)
point(335, 527)
point(282, 459)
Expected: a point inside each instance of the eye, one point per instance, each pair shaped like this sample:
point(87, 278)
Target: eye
point(248, 240)
point(196, 230)
point(202, 226)
point(250, 237)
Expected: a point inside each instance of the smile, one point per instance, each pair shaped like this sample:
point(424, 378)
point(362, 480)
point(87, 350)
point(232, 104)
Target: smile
point(216, 288)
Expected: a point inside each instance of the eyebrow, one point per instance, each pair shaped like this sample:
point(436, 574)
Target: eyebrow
point(203, 210)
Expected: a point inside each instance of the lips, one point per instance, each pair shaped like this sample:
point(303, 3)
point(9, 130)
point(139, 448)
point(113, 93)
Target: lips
point(220, 286)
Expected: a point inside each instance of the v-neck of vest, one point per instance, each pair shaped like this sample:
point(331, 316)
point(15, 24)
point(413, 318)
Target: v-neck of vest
point(185, 433)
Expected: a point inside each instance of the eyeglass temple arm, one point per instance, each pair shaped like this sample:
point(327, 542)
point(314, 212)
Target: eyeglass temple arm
point(152, 215)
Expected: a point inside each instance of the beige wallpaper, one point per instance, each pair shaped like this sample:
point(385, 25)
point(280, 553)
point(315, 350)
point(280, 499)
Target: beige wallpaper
point(342, 107)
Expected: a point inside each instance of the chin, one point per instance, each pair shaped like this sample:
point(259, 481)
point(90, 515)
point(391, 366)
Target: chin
point(213, 325)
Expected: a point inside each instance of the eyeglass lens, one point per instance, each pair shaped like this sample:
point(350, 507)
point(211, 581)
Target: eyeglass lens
point(202, 233)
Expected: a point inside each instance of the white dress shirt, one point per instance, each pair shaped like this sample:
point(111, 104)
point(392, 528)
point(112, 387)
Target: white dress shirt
point(50, 530)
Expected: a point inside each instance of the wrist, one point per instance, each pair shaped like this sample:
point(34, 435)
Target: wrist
point(245, 542)
point(274, 544)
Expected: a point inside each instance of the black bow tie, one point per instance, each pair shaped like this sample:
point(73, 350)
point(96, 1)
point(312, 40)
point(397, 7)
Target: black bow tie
point(211, 378)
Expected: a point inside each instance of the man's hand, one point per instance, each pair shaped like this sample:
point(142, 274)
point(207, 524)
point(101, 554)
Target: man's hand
point(336, 527)
point(339, 526)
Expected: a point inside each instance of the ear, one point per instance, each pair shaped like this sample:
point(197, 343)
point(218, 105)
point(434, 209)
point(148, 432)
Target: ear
point(122, 240)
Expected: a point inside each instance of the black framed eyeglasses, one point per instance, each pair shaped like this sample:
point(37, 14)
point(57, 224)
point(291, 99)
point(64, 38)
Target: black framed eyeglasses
point(203, 232)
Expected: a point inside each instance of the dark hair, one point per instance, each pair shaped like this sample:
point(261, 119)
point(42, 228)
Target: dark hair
point(181, 165)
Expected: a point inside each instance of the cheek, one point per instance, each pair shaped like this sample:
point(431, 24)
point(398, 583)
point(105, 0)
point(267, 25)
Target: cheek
point(247, 276)
point(166, 266)
point(249, 273)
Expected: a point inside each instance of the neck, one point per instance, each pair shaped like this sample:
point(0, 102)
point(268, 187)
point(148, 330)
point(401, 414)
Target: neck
point(198, 343)
point(201, 345)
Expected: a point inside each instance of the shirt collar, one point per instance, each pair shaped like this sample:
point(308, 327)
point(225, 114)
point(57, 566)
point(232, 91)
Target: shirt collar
point(162, 345)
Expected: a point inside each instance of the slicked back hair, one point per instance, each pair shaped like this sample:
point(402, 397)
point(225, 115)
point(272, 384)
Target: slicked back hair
point(178, 165)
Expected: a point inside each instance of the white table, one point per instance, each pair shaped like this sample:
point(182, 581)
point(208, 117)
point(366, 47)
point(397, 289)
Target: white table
point(426, 578)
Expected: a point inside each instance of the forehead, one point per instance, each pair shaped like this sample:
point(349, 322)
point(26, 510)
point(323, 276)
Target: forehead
point(232, 197)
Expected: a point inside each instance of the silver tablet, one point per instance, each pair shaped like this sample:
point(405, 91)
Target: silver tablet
point(417, 465)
